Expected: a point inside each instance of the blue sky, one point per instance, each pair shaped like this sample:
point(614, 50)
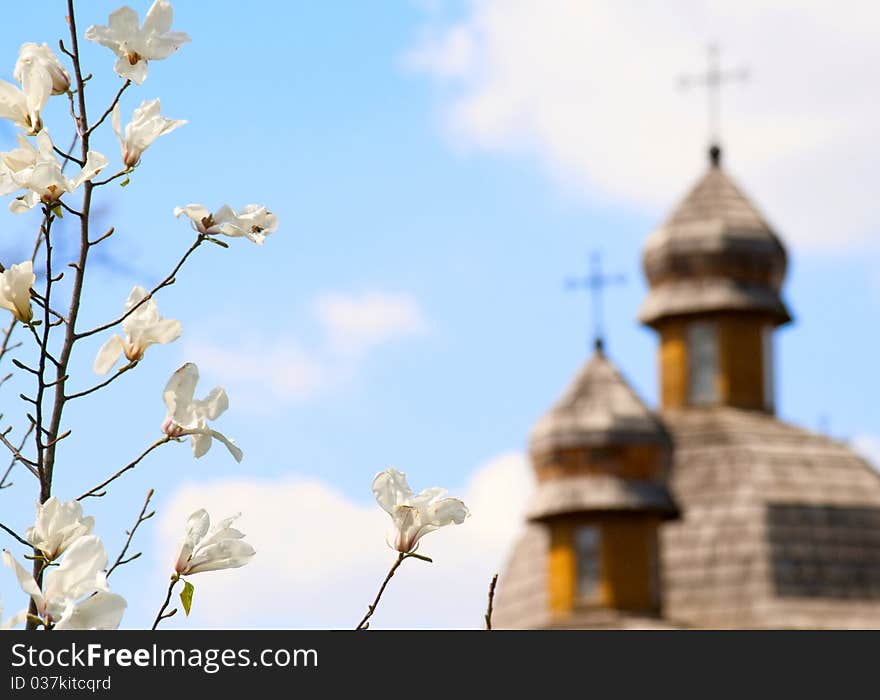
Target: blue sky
point(425, 178)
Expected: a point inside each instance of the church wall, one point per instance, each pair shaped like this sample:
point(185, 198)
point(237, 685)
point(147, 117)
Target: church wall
point(641, 462)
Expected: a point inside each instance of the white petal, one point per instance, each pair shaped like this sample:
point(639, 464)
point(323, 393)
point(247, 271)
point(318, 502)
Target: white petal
point(180, 388)
point(81, 571)
point(447, 511)
point(228, 554)
point(108, 355)
point(25, 578)
point(391, 489)
point(214, 404)
point(102, 611)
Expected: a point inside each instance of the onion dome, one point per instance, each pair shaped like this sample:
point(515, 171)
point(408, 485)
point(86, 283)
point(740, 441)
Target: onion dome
point(714, 253)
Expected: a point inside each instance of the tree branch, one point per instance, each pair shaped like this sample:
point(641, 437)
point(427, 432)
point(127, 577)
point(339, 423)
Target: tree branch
point(364, 623)
point(96, 491)
point(18, 537)
point(109, 109)
point(119, 373)
point(490, 605)
point(162, 615)
point(120, 560)
point(164, 283)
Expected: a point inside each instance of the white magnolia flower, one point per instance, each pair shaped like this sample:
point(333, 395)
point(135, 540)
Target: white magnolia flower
point(414, 515)
point(136, 46)
point(40, 64)
point(188, 416)
point(143, 327)
point(39, 171)
point(75, 595)
point(15, 290)
point(254, 221)
point(146, 126)
point(59, 524)
point(222, 548)
point(15, 161)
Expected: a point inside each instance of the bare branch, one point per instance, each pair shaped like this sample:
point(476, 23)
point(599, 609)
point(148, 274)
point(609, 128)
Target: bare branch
point(96, 491)
point(364, 623)
point(101, 238)
point(164, 283)
point(18, 537)
point(142, 516)
point(109, 109)
point(162, 615)
point(101, 183)
point(4, 484)
point(491, 603)
point(119, 373)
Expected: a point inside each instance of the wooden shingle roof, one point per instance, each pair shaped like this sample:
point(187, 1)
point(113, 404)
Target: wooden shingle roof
point(715, 251)
point(780, 528)
point(598, 408)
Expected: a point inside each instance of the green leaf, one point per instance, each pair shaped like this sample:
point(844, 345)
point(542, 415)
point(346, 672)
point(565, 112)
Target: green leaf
point(57, 211)
point(186, 596)
point(125, 182)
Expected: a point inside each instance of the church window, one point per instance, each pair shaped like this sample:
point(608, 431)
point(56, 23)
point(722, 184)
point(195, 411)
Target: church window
point(702, 341)
point(588, 544)
point(767, 364)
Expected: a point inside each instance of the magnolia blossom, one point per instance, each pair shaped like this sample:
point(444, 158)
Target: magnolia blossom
point(75, 595)
point(221, 548)
point(143, 327)
point(146, 126)
point(136, 46)
point(188, 416)
point(38, 170)
point(40, 64)
point(254, 221)
point(414, 515)
point(58, 526)
point(41, 75)
point(15, 290)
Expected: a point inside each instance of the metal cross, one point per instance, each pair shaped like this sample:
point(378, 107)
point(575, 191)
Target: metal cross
point(713, 80)
point(595, 282)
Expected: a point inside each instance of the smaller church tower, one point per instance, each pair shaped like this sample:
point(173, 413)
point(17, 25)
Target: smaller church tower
point(715, 269)
point(601, 460)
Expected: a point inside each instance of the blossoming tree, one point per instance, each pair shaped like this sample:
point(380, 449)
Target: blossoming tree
point(67, 580)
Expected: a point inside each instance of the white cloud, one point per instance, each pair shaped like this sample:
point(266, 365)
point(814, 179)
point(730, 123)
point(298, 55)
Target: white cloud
point(869, 447)
point(589, 88)
point(356, 324)
point(321, 557)
point(277, 367)
point(260, 366)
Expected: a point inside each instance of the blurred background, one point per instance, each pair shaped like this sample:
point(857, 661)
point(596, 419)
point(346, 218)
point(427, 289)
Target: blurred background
point(438, 169)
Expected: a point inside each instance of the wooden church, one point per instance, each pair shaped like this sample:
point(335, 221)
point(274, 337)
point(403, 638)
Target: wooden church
point(709, 512)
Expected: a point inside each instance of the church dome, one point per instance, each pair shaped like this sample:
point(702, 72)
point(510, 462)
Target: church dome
point(598, 409)
point(715, 252)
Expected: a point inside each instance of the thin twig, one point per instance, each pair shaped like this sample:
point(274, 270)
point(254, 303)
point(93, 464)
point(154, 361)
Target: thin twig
point(95, 388)
point(120, 560)
point(489, 606)
point(164, 283)
point(18, 537)
point(68, 156)
point(364, 623)
point(100, 183)
point(94, 492)
point(109, 109)
point(17, 455)
point(162, 615)
point(3, 483)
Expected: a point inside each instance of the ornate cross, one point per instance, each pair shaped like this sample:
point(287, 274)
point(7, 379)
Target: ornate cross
point(713, 80)
point(595, 282)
